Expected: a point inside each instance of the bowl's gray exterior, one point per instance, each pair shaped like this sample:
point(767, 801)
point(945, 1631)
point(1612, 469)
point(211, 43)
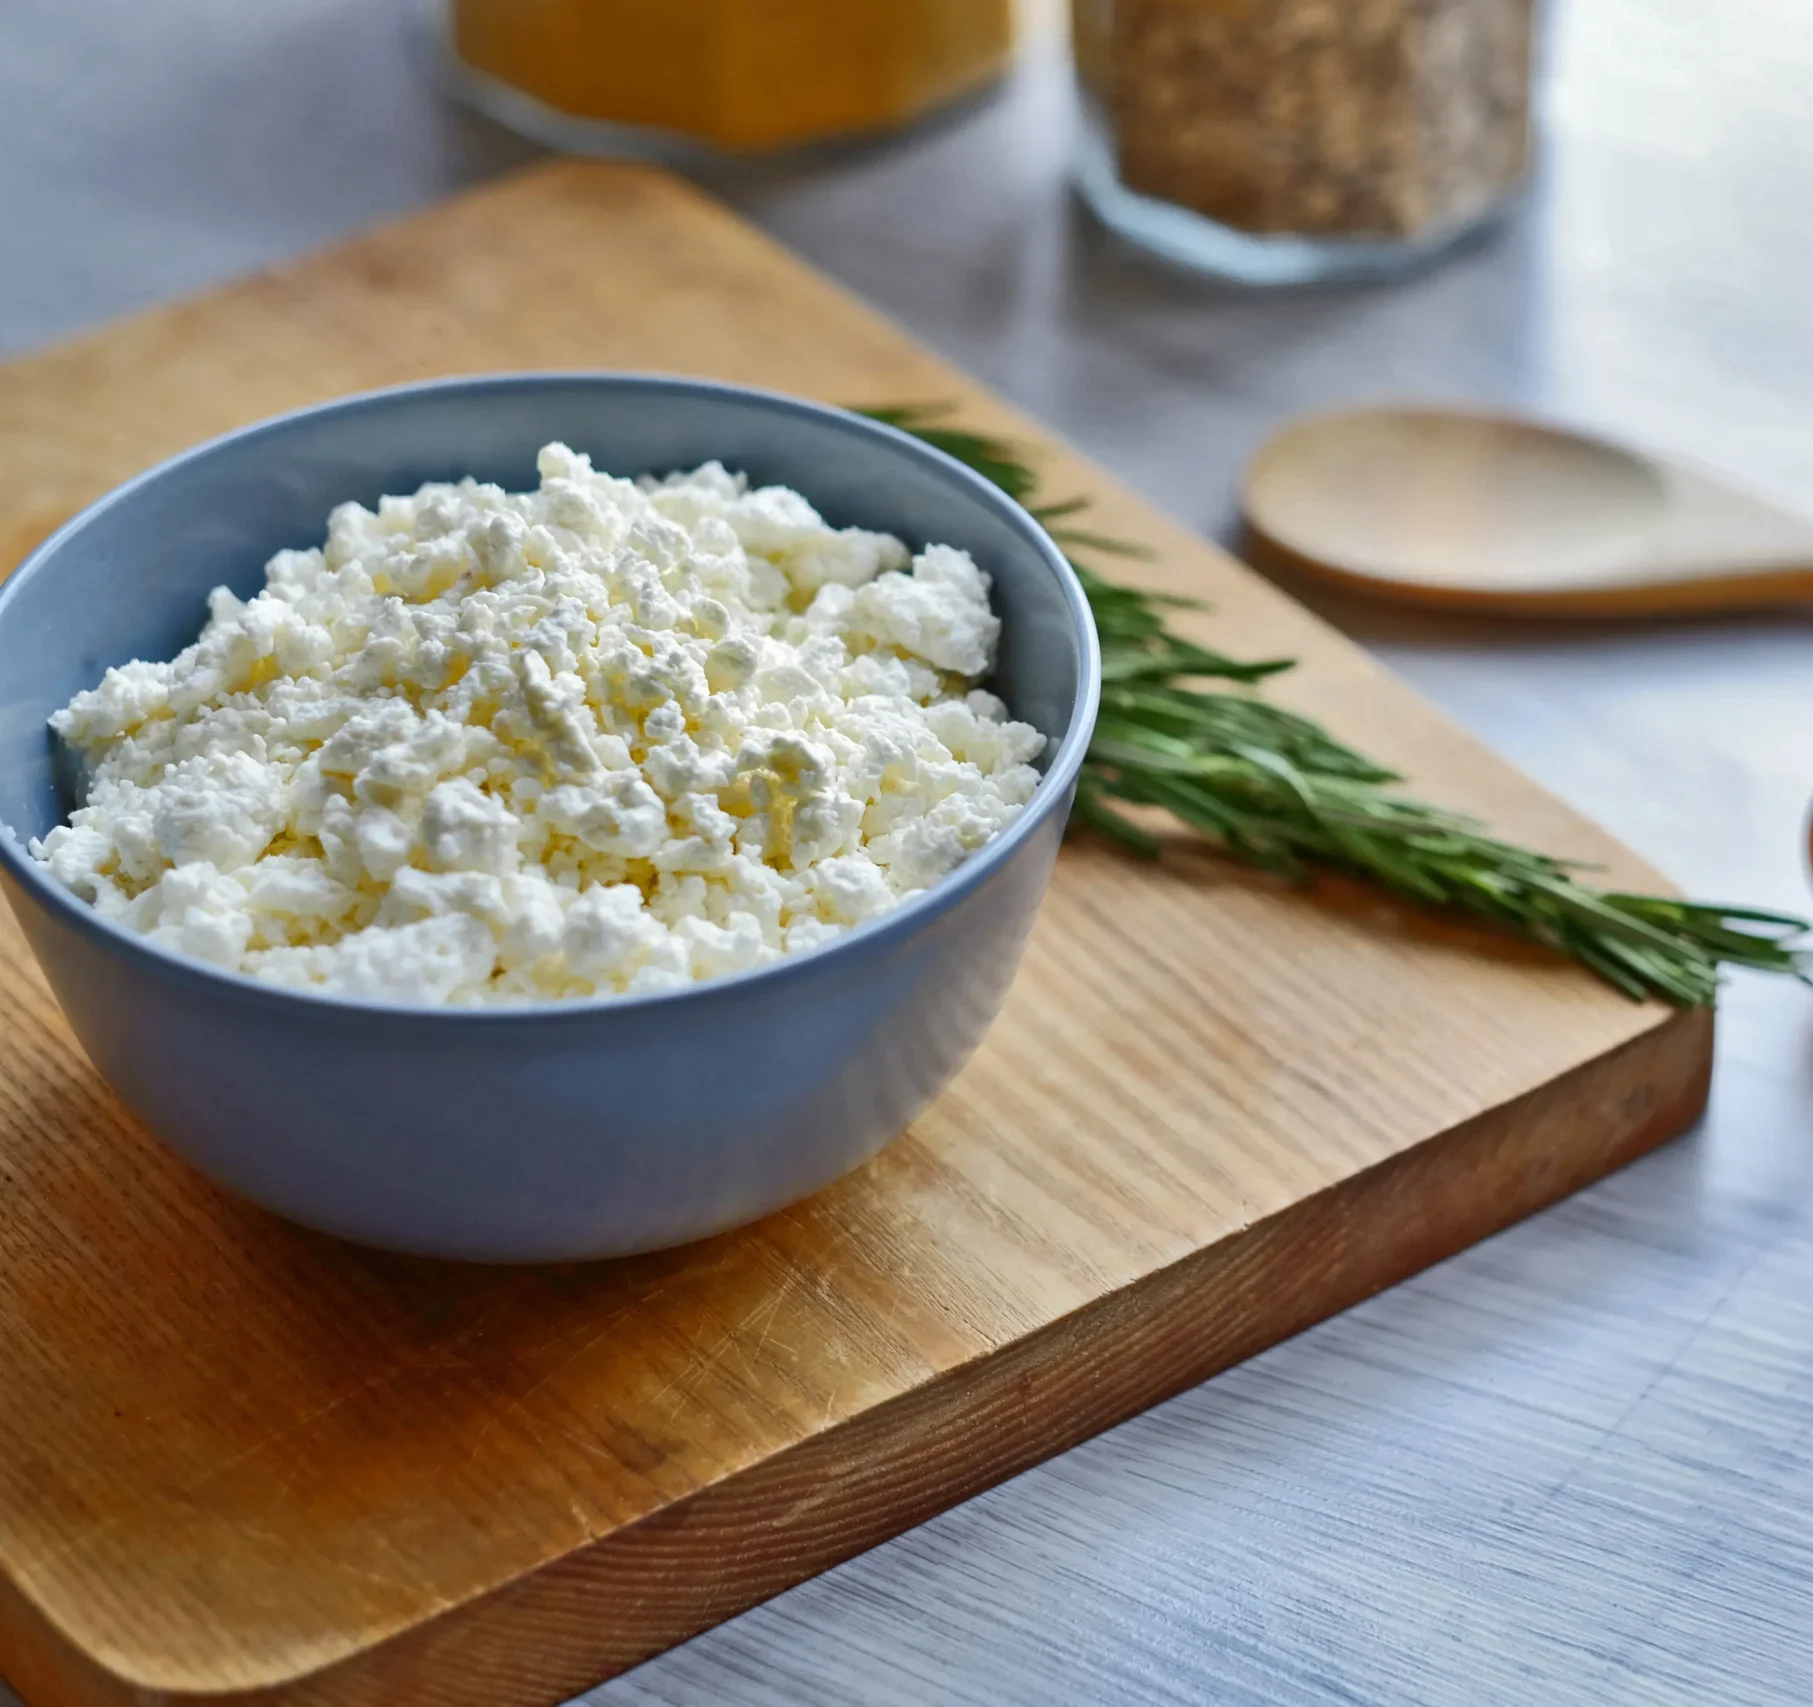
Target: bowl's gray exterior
point(570, 1130)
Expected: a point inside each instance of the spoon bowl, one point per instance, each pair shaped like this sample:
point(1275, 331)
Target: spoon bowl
point(1493, 513)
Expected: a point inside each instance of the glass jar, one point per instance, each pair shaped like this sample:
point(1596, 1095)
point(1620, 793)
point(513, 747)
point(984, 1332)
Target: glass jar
point(1282, 141)
point(644, 75)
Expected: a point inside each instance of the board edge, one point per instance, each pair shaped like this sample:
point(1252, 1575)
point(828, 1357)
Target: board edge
point(543, 1638)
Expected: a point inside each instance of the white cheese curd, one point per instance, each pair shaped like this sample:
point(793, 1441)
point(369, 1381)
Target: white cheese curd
point(601, 738)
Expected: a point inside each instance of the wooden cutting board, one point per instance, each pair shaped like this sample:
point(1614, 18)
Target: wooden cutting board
point(243, 1462)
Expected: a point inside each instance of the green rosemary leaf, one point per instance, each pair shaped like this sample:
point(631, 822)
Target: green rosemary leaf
point(1686, 912)
point(1094, 810)
point(1276, 789)
point(1099, 542)
point(993, 459)
point(1049, 513)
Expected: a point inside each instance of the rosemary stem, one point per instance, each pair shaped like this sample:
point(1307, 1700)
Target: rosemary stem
point(1277, 790)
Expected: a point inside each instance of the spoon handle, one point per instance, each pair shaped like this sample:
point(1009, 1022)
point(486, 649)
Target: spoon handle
point(1773, 587)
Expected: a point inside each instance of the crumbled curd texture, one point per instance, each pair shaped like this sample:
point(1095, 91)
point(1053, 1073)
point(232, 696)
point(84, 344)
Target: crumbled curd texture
point(604, 737)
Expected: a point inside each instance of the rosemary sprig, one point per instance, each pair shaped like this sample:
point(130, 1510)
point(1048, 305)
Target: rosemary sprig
point(1278, 791)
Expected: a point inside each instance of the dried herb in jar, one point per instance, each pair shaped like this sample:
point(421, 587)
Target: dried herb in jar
point(1316, 118)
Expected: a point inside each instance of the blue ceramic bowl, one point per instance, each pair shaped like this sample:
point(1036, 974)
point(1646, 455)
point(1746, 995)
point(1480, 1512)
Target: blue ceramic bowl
point(570, 1130)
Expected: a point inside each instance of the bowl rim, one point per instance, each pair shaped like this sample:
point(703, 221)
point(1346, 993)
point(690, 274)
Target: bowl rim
point(892, 927)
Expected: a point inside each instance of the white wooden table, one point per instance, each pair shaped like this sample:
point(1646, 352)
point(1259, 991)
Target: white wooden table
point(1573, 1465)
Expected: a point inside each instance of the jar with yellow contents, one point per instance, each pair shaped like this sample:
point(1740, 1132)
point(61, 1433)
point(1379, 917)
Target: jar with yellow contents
point(736, 75)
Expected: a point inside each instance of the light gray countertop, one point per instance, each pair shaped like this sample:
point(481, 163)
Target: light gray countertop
point(1572, 1465)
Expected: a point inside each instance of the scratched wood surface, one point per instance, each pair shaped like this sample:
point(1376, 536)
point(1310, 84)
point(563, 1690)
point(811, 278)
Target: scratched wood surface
point(241, 1461)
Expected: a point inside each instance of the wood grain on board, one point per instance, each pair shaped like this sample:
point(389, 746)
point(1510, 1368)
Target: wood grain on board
point(241, 1461)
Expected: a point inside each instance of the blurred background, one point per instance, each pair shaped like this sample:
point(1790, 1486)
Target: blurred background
point(147, 151)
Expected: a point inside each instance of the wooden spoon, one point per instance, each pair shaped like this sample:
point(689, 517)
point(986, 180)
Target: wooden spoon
point(1490, 514)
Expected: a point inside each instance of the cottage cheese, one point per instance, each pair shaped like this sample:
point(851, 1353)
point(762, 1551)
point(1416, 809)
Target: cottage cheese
point(602, 738)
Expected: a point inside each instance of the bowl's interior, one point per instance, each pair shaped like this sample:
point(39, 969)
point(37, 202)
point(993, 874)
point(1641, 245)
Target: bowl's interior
point(131, 578)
